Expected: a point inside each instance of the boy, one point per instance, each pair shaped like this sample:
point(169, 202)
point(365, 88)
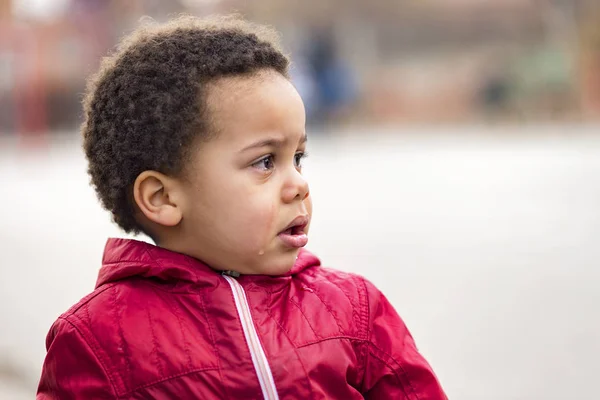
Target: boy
point(195, 136)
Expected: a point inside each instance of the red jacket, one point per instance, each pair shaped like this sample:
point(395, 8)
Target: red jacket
point(162, 325)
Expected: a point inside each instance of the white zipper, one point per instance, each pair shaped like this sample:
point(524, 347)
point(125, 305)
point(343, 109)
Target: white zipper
point(259, 359)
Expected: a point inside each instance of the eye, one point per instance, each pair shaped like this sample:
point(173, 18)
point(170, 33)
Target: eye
point(265, 164)
point(298, 157)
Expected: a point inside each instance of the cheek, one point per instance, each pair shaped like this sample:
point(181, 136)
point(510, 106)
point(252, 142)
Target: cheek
point(260, 215)
point(211, 207)
point(250, 216)
point(237, 209)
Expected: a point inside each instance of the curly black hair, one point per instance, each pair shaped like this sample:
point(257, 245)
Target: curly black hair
point(145, 107)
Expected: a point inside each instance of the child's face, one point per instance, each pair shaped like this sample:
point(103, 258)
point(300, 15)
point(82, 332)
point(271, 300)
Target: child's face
point(246, 185)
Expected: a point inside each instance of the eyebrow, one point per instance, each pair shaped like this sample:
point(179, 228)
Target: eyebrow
point(271, 142)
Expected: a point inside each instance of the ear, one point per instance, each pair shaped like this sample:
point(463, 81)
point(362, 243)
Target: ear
point(157, 198)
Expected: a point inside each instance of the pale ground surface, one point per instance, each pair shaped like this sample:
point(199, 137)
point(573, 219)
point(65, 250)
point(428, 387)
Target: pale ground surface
point(487, 243)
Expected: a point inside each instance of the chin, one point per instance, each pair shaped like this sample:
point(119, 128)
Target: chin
point(280, 264)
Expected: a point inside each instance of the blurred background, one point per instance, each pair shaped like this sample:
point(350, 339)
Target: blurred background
point(455, 162)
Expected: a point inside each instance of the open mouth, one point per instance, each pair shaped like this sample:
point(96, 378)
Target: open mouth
point(295, 230)
point(294, 235)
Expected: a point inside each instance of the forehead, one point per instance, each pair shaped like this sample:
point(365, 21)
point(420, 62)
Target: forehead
point(244, 108)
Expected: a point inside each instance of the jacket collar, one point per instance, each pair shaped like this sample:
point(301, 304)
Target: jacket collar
point(127, 258)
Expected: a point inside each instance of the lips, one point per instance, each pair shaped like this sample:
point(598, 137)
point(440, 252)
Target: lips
point(293, 235)
point(299, 223)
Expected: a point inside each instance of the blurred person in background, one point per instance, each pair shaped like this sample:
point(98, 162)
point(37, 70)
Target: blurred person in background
point(335, 89)
point(195, 136)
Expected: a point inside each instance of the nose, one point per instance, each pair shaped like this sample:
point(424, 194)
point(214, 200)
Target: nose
point(295, 187)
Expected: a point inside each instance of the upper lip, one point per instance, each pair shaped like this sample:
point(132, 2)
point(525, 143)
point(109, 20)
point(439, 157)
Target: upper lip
point(299, 221)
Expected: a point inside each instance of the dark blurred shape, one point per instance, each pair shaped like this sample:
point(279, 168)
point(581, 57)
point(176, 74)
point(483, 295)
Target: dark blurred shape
point(331, 76)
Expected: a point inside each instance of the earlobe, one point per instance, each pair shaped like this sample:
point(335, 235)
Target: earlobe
point(153, 194)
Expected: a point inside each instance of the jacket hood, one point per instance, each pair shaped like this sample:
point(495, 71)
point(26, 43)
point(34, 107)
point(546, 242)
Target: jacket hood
point(127, 258)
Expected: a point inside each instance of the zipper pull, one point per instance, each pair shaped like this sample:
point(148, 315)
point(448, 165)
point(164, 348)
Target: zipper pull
point(233, 274)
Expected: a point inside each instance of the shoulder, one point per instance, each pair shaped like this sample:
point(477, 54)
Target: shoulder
point(355, 288)
point(344, 294)
point(83, 331)
point(345, 291)
point(141, 331)
point(127, 313)
point(334, 278)
point(99, 310)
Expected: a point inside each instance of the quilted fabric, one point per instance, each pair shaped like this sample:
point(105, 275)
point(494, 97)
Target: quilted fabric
point(162, 325)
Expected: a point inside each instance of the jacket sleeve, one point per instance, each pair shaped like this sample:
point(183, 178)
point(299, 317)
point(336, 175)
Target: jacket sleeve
point(71, 370)
point(394, 367)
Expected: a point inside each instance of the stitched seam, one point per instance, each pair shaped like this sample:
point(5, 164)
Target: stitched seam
point(123, 342)
point(330, 311)
point(402, 387)
point(86, 313)
point(154, 343)
point(305, 317)
point(312, 394)
point(281, 287)
point(399, 364)
point(366, 315)
point(159, 286)
point(135, 261)
point(152, 283)
point(355, 315)
point(186, 344)
point(87, 300)
point(212, 337)
point(352, 338)
point(93, 349)
point(161, 380)
point(156, 260)
point(363, 300)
